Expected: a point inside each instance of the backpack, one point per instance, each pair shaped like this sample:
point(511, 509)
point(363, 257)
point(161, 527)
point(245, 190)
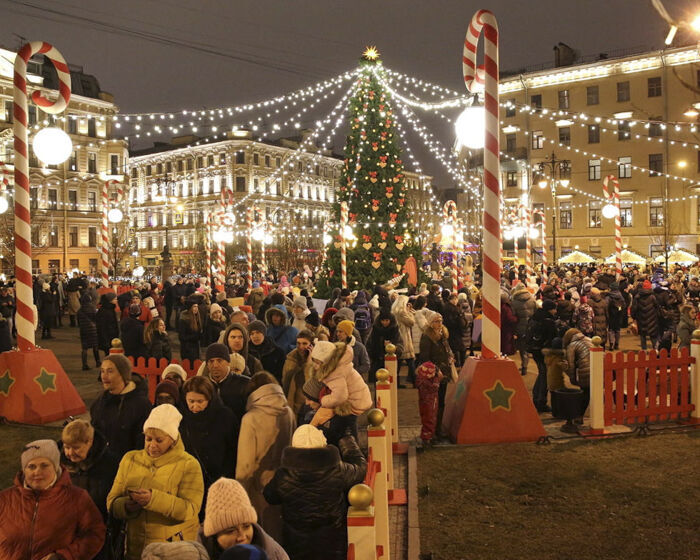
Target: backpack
point(363, 319)
point(534, 338)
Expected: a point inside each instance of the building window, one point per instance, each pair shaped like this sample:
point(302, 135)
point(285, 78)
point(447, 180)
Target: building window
point(537, 140)
point(53, 236)
point(278, 162)
point(512, 179)
point(565, 135)
point(159, 169)
point(625, 213)
point(92, 201)
point(32, 115)
point(654, 87)
point(240, 184)
point(168, 166)
point(92, 162)
point(92, 263)
point(53, 199)
point(563, 98)
point(510, 144)
point(593, 134)
point(92, 127)
point(697, 78)
point(536, 101)
point(9, 107)
point(180, 165)
point(623, 130)
point(240, 157)
point(72, 125)
point(92, 236)
point(74, 263)
point(54, 265)
point(623, 91)
point(72, 200)
point(565, 217)
point(73, 234)
point(656, 212)
point(594, 170)
point(592, 95)
point(114, 164)
point(624, 167)
point(594, 214)
point(267, 161)
point(256, 159)
point(188, 164)
point(698, 210)
point(210, 161)
point(655, 129)
point(222, 159)
point(656, 164)
point(73, 161)
point(510, 108)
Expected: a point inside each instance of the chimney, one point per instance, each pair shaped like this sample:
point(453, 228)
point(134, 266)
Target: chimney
point(564, 55)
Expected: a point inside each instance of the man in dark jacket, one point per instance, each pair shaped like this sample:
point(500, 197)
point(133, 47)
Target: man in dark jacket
point(231, 387)
point(645, 310)
point(119, 412)
point(312, 485)
point(541, 331)
point(261, 347)
point(132, 333)
point(385, 329)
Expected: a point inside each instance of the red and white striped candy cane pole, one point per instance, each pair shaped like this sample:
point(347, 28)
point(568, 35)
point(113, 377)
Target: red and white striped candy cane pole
point(618, 231)
point(491, 263)
point(249, 245)
point(449, 210)
point(527, 216)
point(542, 224)
point(343, 245)
point(24, 318)
point(207, 247)
point(5, 183)
point(263, 227)
point(104, 248)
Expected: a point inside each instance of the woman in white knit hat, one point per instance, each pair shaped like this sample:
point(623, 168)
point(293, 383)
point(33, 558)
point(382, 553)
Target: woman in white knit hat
point(230, 520)
point(158, 490)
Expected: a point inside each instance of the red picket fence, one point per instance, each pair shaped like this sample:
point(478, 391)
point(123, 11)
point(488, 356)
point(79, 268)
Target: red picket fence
point(351, 551)
point(152, 369)
point(641, 387)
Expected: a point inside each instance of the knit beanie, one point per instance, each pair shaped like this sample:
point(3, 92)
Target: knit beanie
point(548, 305)
point(307, 436)
point(164, 417)
point(221, 296)
point(426, 369)
point(228, 505)
point(237, 362)
point(312, 389)
point(123, 365)
point(344, 314)
point(244, 552)
point(45, 448)
point(646, 285)
point(300, 302)
point(213, 308)
point(312, 318)
point(134, 310)
point(168, 387)
point(174, 368)
point(217, 350)
point(323, 350)
point(347, 327)
point(257, 326)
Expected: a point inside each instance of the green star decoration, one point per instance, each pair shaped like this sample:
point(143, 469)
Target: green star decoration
point(499, 396)
point(6, 382)
point(46, 381)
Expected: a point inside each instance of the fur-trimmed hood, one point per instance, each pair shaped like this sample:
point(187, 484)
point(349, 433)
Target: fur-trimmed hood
point(341, 355)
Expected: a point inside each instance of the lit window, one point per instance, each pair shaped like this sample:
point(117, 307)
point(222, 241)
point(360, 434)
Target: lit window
point(537, 140)
point(624, 167)
point(594, 170)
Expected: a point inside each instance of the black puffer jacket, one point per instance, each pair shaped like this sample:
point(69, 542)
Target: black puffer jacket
point(160, 346)
point(189, 337)
point(107, 325)
point(617, 310)
point(211, 436)
point(120, 417)
point(456, 324)
point(380, 335)
point(87, 322)
point(96, 473)
point(270, 355)
point(645, 310)
point(312, 486)
point(233, 391)
point(132, 337)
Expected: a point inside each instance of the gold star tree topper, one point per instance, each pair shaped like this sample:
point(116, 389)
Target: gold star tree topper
point(371, 53)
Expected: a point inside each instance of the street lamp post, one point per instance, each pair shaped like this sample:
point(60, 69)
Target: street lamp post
point(554, 166)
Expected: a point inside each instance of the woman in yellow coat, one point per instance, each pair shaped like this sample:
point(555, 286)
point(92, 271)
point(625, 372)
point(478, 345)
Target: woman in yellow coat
point(158, 490)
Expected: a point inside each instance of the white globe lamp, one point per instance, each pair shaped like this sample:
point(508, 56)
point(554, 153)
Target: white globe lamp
point(258, 234)
point(470, 126)
point(447, 230)
point(115, 215)
point(507, 234)
point(52, 145)
point(518, 232)
point(609, 211)
point(139, 271)
point(268, 239)
point(327, 239)
point(534, 232)
point(4, 205)
point(348, 233)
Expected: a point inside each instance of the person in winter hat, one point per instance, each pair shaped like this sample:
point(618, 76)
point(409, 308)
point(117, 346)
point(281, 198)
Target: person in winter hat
point(311, 485)
point(428, 378)
point(348, 395)
point(215, 324)
point(43, 515)
point(300, 310)
point(158, 490)
point(264, 349)
point(279, 329)
point(360, 359)
point(183, 550)
point(231, 520)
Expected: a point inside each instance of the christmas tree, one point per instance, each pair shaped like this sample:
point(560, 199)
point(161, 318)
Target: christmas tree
point(380, 237)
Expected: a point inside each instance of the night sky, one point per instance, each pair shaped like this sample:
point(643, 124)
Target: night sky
point(261, 48)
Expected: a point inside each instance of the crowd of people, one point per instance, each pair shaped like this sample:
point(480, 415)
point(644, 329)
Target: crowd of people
point(257, 451)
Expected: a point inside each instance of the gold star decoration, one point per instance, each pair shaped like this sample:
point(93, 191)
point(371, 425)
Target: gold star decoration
point(371, 53)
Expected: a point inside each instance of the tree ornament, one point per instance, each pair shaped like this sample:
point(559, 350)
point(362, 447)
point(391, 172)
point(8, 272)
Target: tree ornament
point(389, 192)
point(375, 146)
point(373, 176)
point(382, 161)
point(375, 205)
point(382, 245)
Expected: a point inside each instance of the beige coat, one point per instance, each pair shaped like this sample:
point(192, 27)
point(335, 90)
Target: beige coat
point(266, 429)
point(405, 321)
